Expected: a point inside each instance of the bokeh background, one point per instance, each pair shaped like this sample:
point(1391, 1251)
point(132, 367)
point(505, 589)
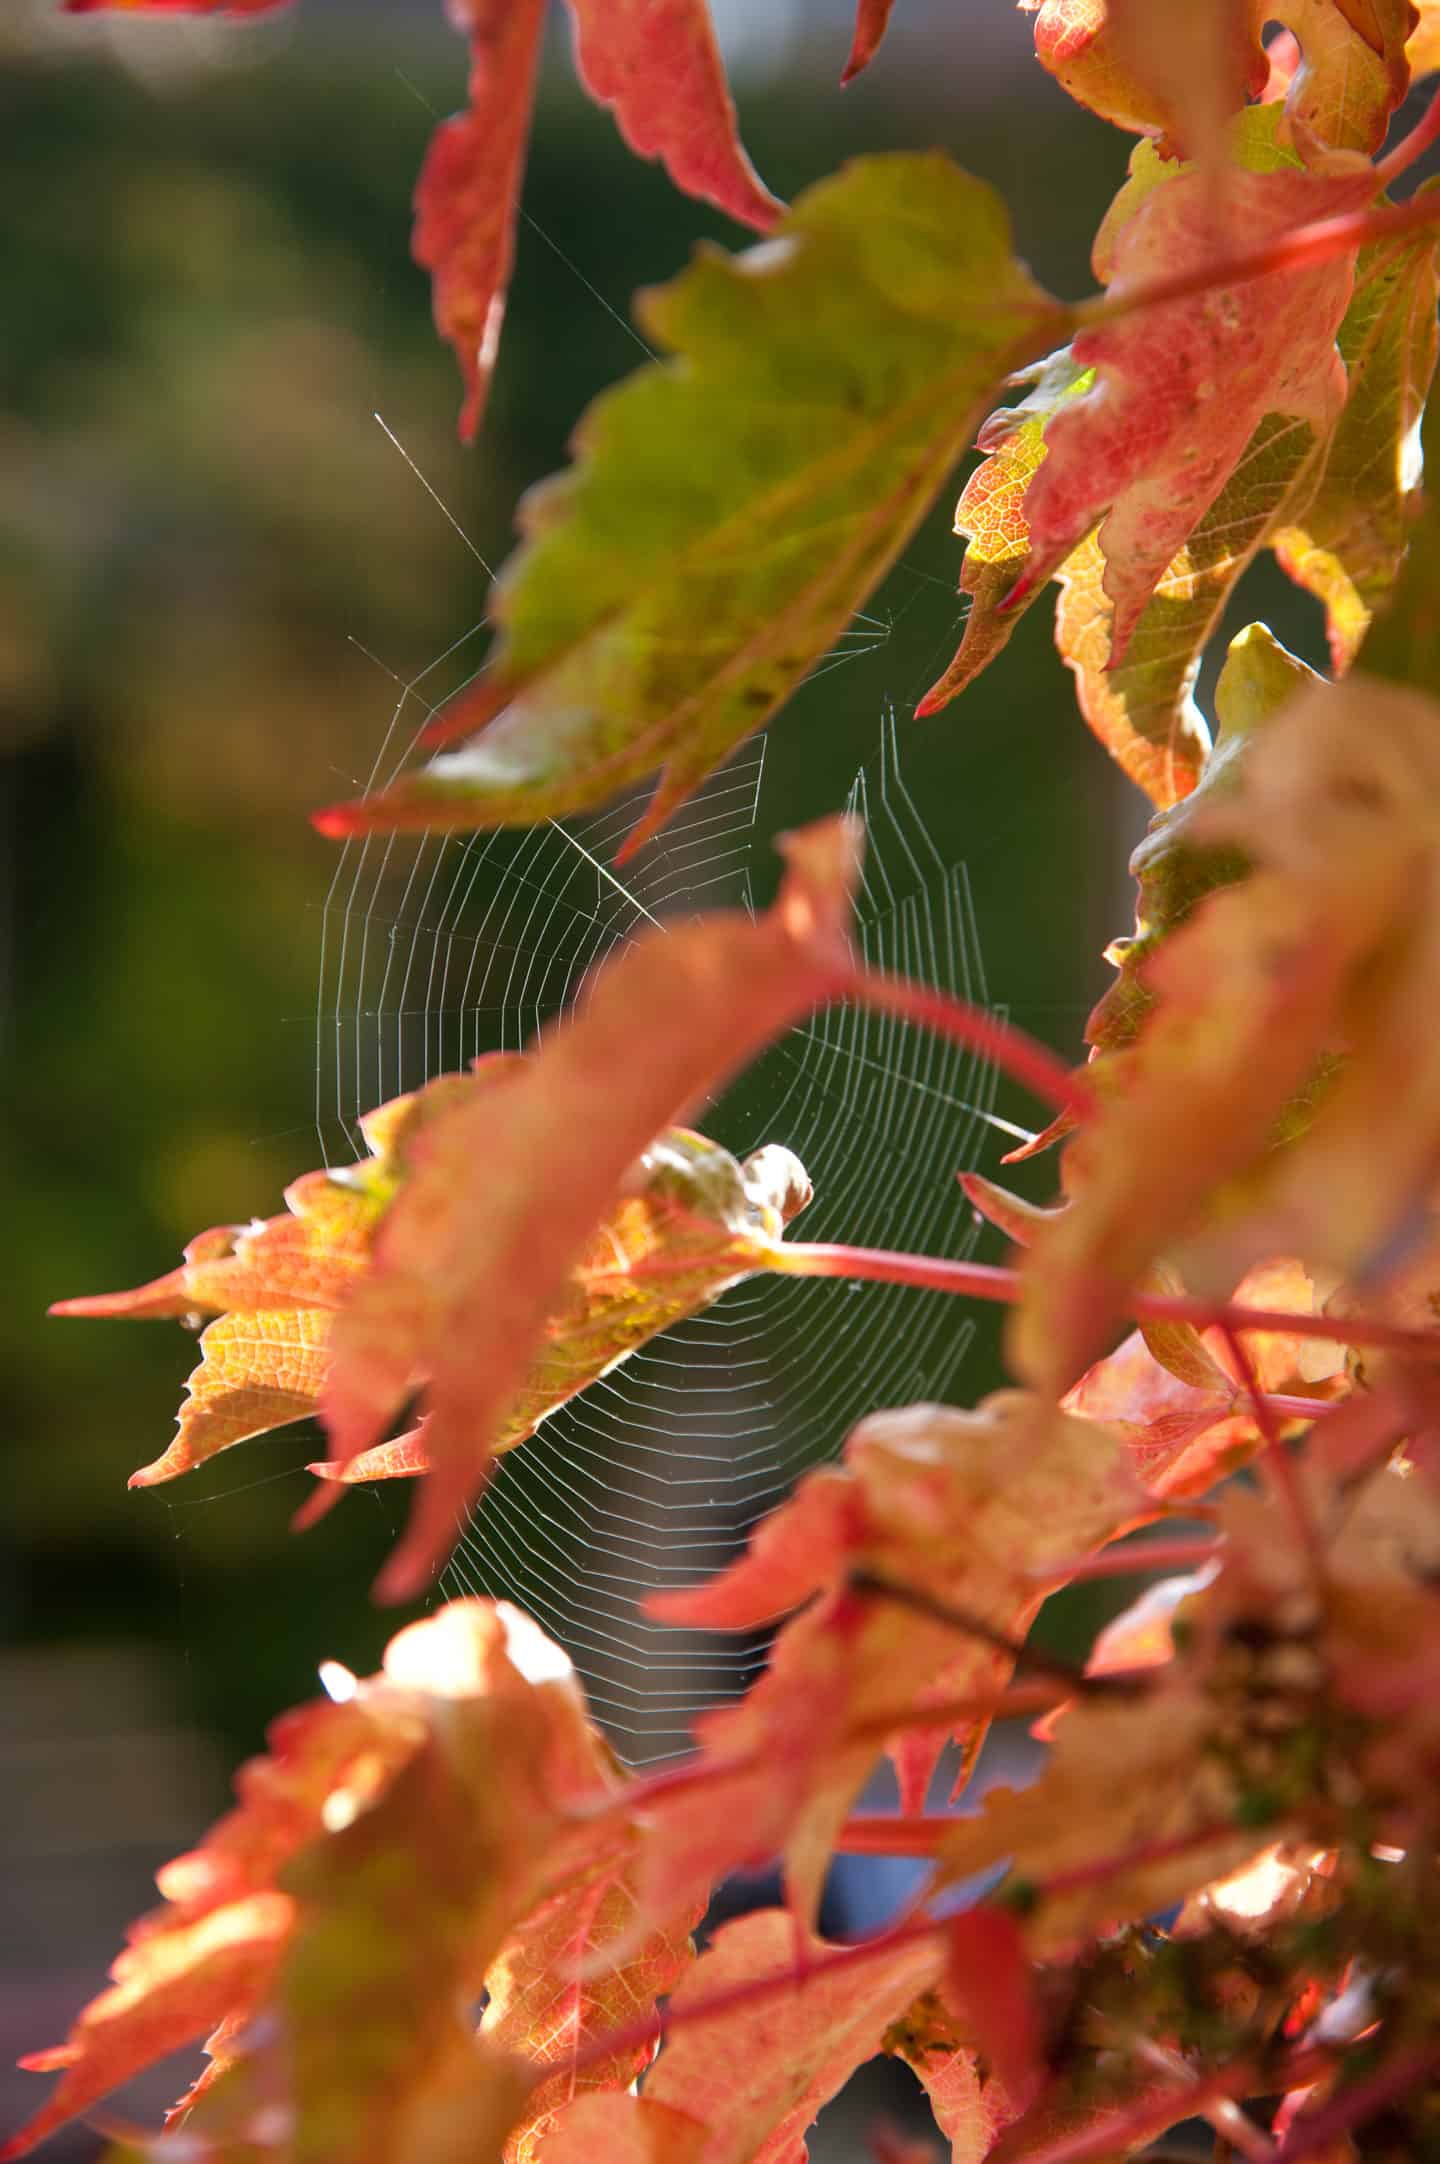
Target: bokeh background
point(210, 556)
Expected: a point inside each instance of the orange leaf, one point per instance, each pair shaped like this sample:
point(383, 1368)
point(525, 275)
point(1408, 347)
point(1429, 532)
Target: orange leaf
point(508, 1192)
point(368, 1876)
point(469, 189)
point(276, 1285)
point(1180, 72)
point(965, 1507)
point(756, 2071)
point(656, 64)
point(552, 1991)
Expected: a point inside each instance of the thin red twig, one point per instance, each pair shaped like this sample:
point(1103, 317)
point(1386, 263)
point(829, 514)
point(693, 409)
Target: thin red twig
point(890, 1833)
point(1132, 1560)
point(1276, 1461)
point(988, 1281)
point(1013, 1050)
point(614, 2043)
point(1411, 147)
point(1303, 244)
point(1352, 2107)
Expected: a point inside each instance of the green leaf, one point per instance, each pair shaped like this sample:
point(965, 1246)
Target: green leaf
point(1172, 871)
point(732, 507)
point(1348, 546)
point(991, 516)
point(1403, 645)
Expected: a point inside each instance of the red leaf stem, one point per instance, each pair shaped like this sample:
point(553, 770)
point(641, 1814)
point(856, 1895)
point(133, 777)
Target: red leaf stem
point(1411, 147)
point(985, 1281)
point(1303, 244)
point(1322, 2128)
point(1130, 1561)
point(1017, 1054)
point(891, 1833)
point(615, 2043)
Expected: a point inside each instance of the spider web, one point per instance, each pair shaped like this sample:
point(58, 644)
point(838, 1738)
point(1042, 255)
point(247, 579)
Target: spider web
point(437, 948)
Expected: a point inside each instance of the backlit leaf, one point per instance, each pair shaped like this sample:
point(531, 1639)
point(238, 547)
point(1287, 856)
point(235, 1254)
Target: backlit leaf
point(1180, 73)
point(1422, 48)
point(552, 1991)
point(1346, 547)
point(477, 1252)
point(1188, 1430)
point(468, 194)
point(970, 2106)
point(656, 64)
point(991, 516)
point(1256, 992)
point(969, 1506)
point(1172, 871)
point(688, 1223)
point(1341, 810)
point(734, 506)
point(755, 2073)
point(357, 1893)
point(1353, 71)
point(688, 1215)
point(1142, 707)
point(1181, 387)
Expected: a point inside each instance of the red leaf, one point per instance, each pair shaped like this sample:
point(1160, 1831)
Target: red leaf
point(469, 190)
point(990, 1979)
point(656, 64)
point(871, 16)
point(1181, 387)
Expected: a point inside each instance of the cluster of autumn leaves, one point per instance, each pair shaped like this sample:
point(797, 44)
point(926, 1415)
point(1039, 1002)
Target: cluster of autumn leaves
point(1248, 1174)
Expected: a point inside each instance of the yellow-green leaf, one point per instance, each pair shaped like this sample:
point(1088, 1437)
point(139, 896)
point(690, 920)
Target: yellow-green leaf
point(732, 506)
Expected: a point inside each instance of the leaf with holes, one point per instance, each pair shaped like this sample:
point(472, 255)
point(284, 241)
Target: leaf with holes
point(369, 1875)
point(732, 507)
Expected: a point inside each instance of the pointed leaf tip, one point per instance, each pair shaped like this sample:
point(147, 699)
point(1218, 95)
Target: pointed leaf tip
point(657, 66)
point(871, 17)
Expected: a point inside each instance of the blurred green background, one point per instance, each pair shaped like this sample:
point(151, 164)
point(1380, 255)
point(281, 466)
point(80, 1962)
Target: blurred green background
point(204, 537)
